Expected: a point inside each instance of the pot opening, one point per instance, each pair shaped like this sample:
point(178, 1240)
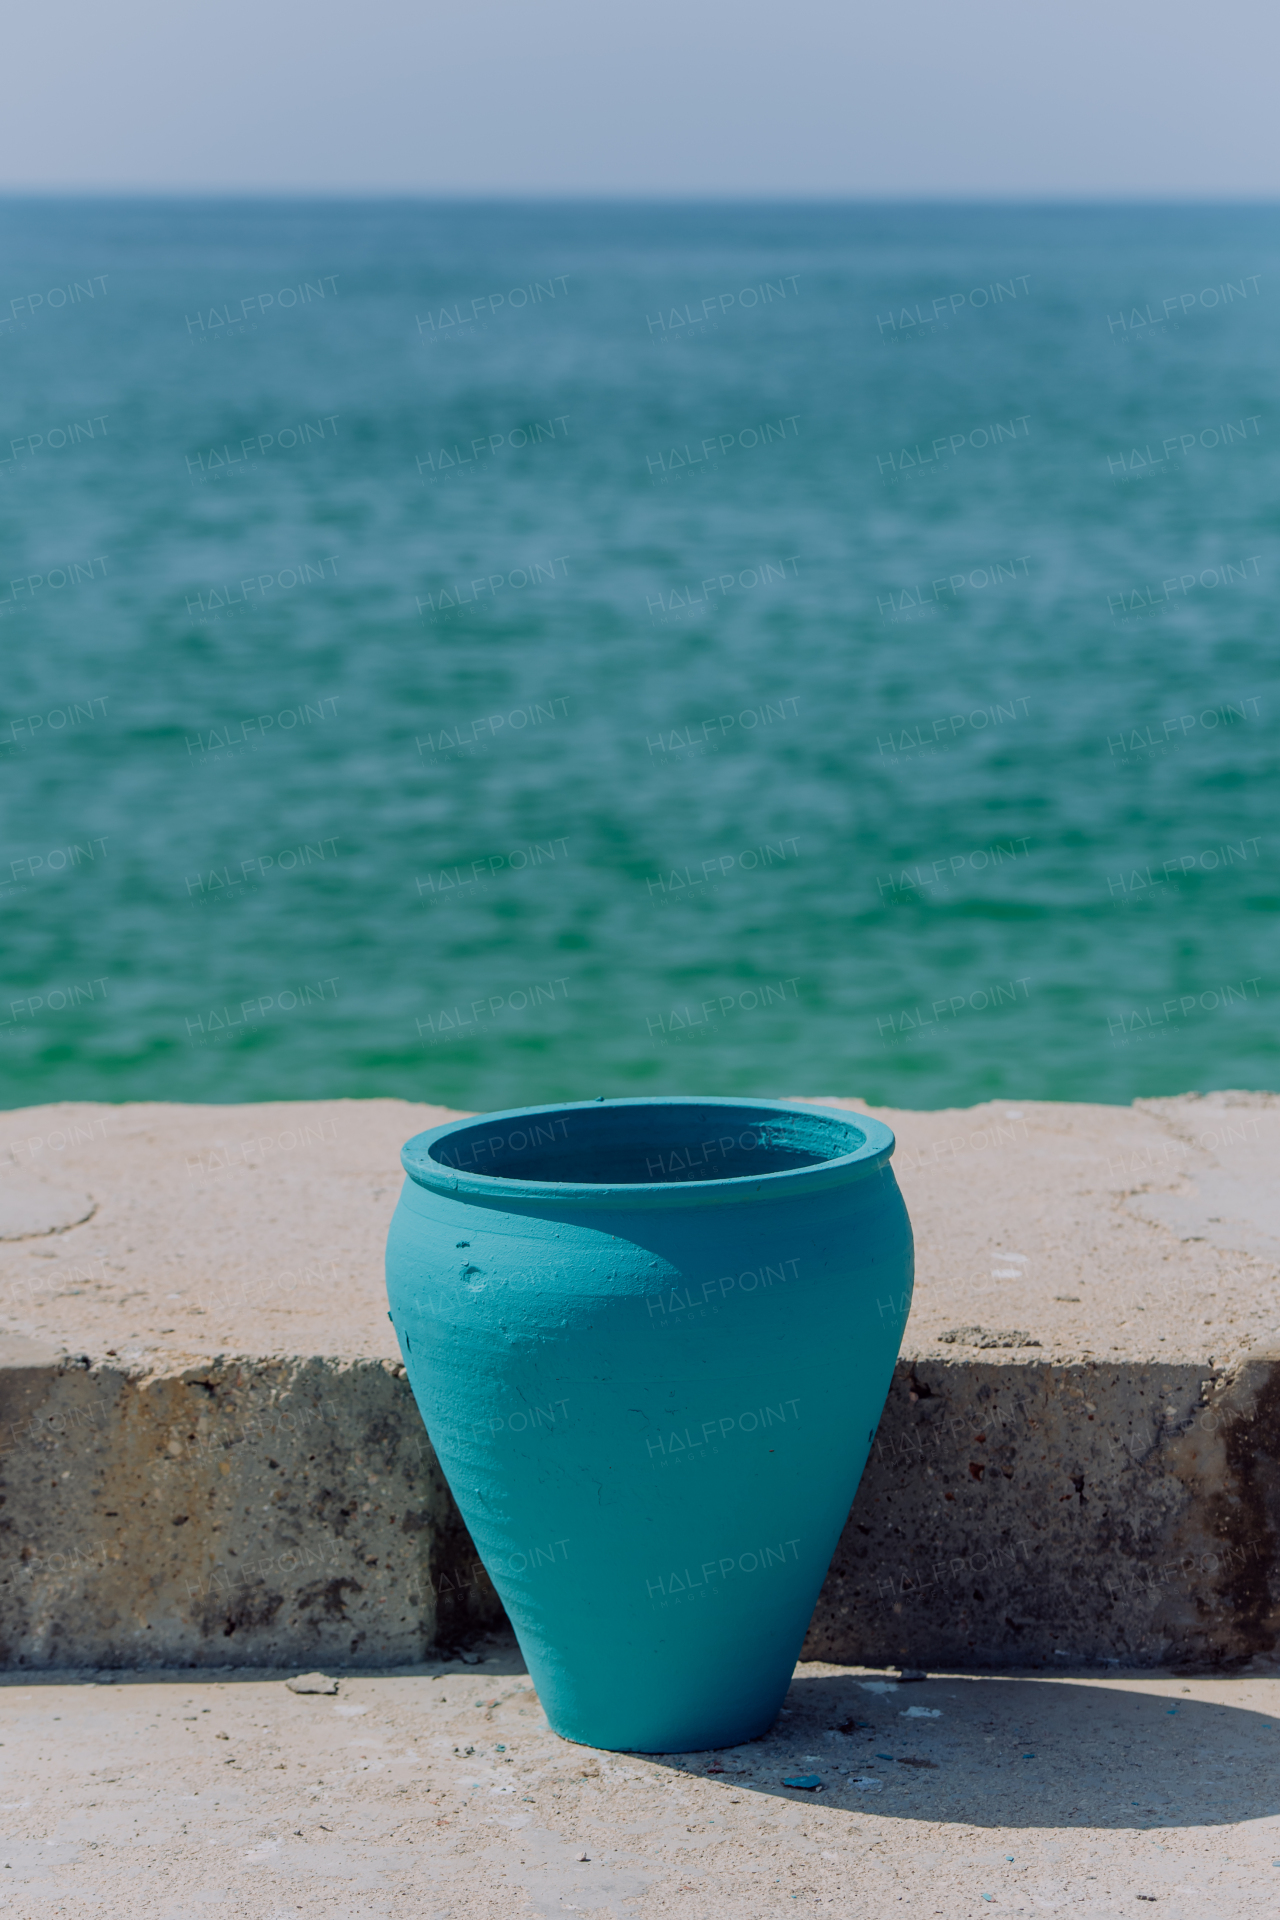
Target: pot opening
point(648, 1144)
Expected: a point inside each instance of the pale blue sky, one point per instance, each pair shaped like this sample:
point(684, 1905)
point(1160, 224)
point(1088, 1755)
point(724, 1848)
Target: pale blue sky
point(1003, 98)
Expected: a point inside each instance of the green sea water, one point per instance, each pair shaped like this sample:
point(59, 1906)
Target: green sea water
point(493, 654)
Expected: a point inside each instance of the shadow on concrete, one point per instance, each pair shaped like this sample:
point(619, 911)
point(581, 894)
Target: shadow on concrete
point(992, 1751)
point(1013, 1752)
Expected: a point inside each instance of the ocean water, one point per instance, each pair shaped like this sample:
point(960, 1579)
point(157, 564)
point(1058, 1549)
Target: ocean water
point(505, 653)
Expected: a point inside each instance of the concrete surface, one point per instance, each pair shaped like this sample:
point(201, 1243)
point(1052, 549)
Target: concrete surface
point(439, 1793)
point(210, 1456)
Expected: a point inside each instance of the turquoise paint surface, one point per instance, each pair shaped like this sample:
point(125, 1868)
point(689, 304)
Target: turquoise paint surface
point(653, 1397)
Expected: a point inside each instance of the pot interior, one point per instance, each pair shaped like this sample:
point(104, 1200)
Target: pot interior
point(648, 1143)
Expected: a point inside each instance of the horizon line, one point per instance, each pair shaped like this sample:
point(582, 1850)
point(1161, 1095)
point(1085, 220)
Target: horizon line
point(646, 197)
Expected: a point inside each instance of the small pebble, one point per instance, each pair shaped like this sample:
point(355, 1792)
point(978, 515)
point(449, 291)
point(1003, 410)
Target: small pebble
point(312, 1683)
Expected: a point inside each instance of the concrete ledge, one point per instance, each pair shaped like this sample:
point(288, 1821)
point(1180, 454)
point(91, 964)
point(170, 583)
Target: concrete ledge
point(209, 1454)
point(232, 1512)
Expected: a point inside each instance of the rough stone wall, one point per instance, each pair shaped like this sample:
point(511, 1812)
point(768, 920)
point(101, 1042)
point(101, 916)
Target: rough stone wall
point(275, 1512)
point(1017, 1513)
point(235, 1513)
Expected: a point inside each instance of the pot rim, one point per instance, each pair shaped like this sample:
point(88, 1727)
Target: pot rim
point(791, 1183)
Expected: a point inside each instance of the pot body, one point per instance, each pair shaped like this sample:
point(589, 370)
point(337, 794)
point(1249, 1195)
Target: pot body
point(652, 1384)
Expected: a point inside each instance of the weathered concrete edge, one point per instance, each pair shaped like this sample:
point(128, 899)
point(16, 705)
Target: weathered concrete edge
point(231, 1512)
point(1027, 1511)
point(266, 1512)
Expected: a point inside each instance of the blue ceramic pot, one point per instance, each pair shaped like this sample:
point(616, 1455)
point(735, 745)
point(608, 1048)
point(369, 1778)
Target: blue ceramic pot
point(651, 1340)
